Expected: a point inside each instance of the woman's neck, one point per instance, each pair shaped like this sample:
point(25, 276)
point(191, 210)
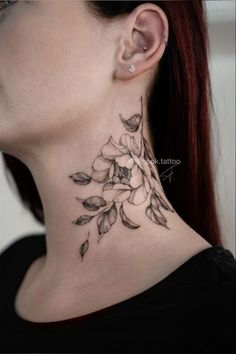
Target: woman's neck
point(103, 202)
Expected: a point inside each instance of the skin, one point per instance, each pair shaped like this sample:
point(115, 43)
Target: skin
point(64, 80)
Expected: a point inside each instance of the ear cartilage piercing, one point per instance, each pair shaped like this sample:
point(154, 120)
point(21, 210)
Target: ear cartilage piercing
point(131, 68)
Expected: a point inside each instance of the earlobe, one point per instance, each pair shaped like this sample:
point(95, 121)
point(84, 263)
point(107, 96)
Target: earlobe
point(145, 42)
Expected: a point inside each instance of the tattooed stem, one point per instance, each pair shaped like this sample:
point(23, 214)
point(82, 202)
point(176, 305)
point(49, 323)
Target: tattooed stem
point(108, 207)
point(141, 130)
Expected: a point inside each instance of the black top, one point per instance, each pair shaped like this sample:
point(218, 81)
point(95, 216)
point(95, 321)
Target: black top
point(192, 310)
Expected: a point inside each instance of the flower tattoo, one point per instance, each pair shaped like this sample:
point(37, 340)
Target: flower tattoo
point(125, 176)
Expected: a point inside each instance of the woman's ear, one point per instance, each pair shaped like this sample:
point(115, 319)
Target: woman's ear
point(143, 41)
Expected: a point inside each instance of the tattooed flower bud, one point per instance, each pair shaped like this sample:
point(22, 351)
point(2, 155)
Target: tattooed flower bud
point(131, 124)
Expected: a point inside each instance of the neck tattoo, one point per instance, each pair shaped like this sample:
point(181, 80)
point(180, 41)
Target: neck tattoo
point(127, 176)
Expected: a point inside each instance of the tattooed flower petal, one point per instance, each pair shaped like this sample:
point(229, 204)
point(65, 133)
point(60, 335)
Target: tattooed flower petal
point(138, 195)
point(116, 169)
point(126, 221)
point(101, 164)
point(108, 185)
point(111, 171)
point(121, 186)
point(136, 160)
point(136, 179)
point(146, 184)
point(120, 147)
point(100, 176)
point(110, 153)
point(125, 161)
point(111, 150)
point(130, 143)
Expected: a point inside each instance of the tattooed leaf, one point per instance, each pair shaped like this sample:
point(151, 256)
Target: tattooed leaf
point(156, 216)
point(112, 214)
point(154, 202)
point(84, 248)
point(83, 219)
point(131, 144)
point(126, 221)
point(131, 124)
point(163, 203)
point(160, 217)
point(103, 223)
point(94, 203)
point(105, 220)
point(100, 236)
point(80, 178)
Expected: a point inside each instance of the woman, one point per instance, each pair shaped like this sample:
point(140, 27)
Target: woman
point(104, 121)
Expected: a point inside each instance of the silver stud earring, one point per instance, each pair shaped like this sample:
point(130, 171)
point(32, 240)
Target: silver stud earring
point(145, 49)
point(165, 39)
point(131, 68)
